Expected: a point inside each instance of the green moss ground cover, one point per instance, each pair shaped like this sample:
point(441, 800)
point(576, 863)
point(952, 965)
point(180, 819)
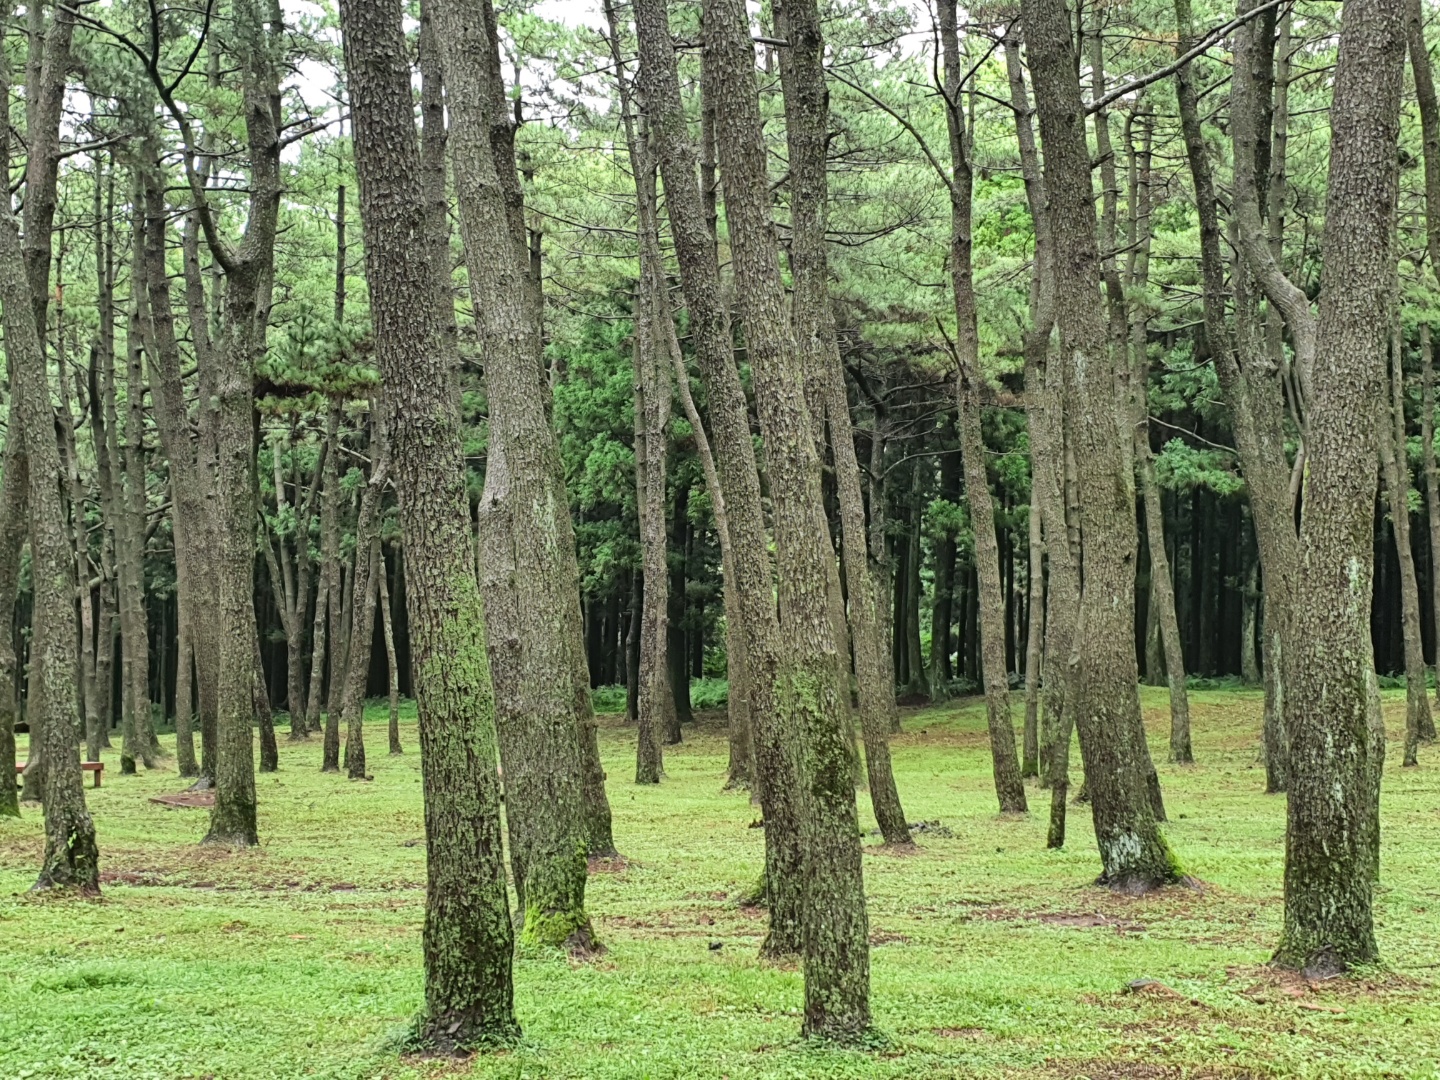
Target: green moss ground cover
point(991, 956)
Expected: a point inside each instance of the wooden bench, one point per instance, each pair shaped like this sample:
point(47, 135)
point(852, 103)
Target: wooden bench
point(97, 767)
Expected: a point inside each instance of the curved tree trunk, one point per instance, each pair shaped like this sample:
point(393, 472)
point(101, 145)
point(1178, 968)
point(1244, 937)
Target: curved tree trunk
point(808, 704)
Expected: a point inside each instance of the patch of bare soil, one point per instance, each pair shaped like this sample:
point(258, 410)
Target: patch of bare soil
point(885, 937)
point(610, 864)
point(187, 799)
point(1266, 985)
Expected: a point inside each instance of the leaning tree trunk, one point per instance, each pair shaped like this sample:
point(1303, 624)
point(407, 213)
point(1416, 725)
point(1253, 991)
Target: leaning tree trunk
point(654, 708)
point(1430, 132)
point(1106, 701)
point(735, 461)
point(368, 563)
point(524, 501)
point(1395, 469)
point(809, 708)
point(468, 940)
point(1332, 700)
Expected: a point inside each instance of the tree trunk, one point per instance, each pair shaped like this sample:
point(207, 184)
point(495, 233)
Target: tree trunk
point(1332, 700)
point(71, 859)
point(808, 698)
point(1134, 855)
point(530, 581)
point(392, 666)
point(1395, 469)
point(326, 636)
point(14, 530)
point(1035, 631)
point(468, 940)
point(1009, 787)
point(807, 124)
point(735, 461)
point(1248, 375)
point(1430, 132)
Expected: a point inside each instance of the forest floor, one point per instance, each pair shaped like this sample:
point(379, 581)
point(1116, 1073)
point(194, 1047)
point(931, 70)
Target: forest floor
point(991, 956)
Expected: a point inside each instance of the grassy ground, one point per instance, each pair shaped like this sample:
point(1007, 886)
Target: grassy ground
point(991, 957)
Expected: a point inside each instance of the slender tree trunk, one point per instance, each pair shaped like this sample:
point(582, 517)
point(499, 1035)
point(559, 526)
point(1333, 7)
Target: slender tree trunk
point(392, 666)
point(1395, 470)
point(1009, 787)
point(1248, 373)
point(368, 563)
point(735, 461)
point(1035, 631)
point(14, 530)
point(468, 940)
point(1430, 132)
point(1332, 700)
point(653, 709)
point(326, 638)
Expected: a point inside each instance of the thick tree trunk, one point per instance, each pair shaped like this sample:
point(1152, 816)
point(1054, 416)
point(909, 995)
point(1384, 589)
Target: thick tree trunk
point(71, 859)
point(735, 461)
point(1134, 855)
point(809, 707)
point(530, 580)
point(1331, 697)
point(807, 124)
point(468, 939)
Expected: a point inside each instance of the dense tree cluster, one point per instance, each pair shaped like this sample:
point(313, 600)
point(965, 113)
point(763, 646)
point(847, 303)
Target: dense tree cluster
point(856, 353)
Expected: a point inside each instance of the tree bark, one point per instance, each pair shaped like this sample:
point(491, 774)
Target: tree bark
point(1134, 855)
point(735, 454)
point(1248, 374)
point(392, 665)
point(71, 858)
point(807, 114)
point(1395, 470)
point(1332, 699)
point(1009, 787)
point(468, 939)
point(1162, 591)
point(529, 579)
point(808, 702)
